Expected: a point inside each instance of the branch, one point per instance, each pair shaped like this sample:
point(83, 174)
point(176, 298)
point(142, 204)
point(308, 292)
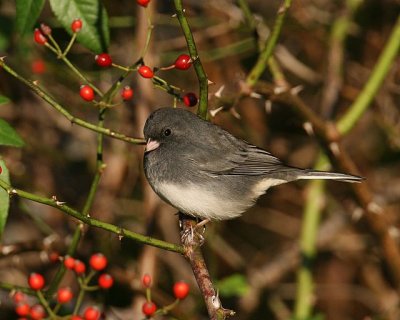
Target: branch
point(46, 97)
point(377, 77)
point(266, 53)
point(198, 67)
point(192, 241)
point(121, 232)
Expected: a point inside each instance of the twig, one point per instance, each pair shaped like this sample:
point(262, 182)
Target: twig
point(334, 73)
point(121, 232)
point(381, 68)
point(264, 56)
point(308, 244)
point(198, 66)
point(46, 97)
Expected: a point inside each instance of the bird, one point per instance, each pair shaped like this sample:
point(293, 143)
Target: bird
point(207, 173)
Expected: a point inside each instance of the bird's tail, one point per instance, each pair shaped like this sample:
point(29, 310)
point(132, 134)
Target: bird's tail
point(313, 174)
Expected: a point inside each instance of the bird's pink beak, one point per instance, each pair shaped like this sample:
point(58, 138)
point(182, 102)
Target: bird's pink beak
point(151, 145)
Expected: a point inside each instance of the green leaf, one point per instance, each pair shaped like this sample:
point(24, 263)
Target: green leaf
point(8, 136)
point(27, 13)
point(94, 34)
point(4, 100)
point(234, 285)
point(4, 198)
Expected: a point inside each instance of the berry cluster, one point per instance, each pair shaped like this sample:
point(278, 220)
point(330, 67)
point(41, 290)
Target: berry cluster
point(149, 308)
point(97, 263)
point(87, 92)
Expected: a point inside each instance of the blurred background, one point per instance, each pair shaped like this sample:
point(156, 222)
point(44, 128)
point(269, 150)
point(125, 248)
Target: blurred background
point(253, 259)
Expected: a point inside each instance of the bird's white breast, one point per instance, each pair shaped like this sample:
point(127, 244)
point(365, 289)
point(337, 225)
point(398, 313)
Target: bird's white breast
point(201, 202)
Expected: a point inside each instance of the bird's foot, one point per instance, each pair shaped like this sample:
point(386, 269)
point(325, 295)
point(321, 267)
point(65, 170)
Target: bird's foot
point(190, 233)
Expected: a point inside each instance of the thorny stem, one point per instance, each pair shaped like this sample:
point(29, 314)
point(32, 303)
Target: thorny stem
point(121, 232)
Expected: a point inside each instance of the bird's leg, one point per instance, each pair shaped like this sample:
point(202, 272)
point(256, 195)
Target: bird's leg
point(191, 234)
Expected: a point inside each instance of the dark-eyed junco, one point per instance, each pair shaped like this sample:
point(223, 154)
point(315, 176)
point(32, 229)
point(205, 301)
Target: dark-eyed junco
point(204, 171)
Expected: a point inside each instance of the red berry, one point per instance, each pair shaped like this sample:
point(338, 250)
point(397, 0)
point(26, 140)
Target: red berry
point(86, 92)
point(19, 297)
point(38, 66)
point(1, 169)
point(69, 262)
point(146, 72)
point(53, 256)
point(79, 267)
point(91, 313)
point(64, 295)
point(105, 281)
point(181, 290)
point(36, 281)
point(183, 62)
point(76, 25)
point(190, 99)
point(22, 309)
point(127, 93)
point(146, 280)
point(37, 312)
point(103, 60)
point(143, 3)
point(98, 261)
point(39, 37)
point(149, 308)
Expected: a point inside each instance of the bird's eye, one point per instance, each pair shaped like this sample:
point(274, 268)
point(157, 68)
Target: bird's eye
point(167, 132)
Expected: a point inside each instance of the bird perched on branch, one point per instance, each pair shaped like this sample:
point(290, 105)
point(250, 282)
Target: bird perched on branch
point(205, 172)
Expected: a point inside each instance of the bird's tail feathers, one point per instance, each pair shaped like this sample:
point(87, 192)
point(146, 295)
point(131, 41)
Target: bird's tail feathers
point(313, 174)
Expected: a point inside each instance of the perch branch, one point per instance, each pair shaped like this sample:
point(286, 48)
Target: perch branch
point(121, 232)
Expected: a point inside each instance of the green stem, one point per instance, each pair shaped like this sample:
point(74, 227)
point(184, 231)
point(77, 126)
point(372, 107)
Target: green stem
point(61, 270)
point(88, 204)
point(44, 303)
point(248, 15)
point(168, 308)
point(150, 28)
point(121, 232)
point(82, 286)
point(377, 77)
point(13, 287)
point(264, 56)
point(308, 237)
point(201, 75)
point(41, 93)
point(99, 168)
point(70, 43)
point(80, 75)
point(55, 44)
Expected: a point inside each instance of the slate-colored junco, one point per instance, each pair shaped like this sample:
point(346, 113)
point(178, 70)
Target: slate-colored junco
point(204, 171)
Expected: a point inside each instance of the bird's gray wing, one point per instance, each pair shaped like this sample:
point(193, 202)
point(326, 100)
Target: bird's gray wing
point(227, 155)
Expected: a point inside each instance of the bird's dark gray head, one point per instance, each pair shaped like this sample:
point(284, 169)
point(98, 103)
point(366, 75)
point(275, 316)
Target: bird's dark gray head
point(171, 125)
